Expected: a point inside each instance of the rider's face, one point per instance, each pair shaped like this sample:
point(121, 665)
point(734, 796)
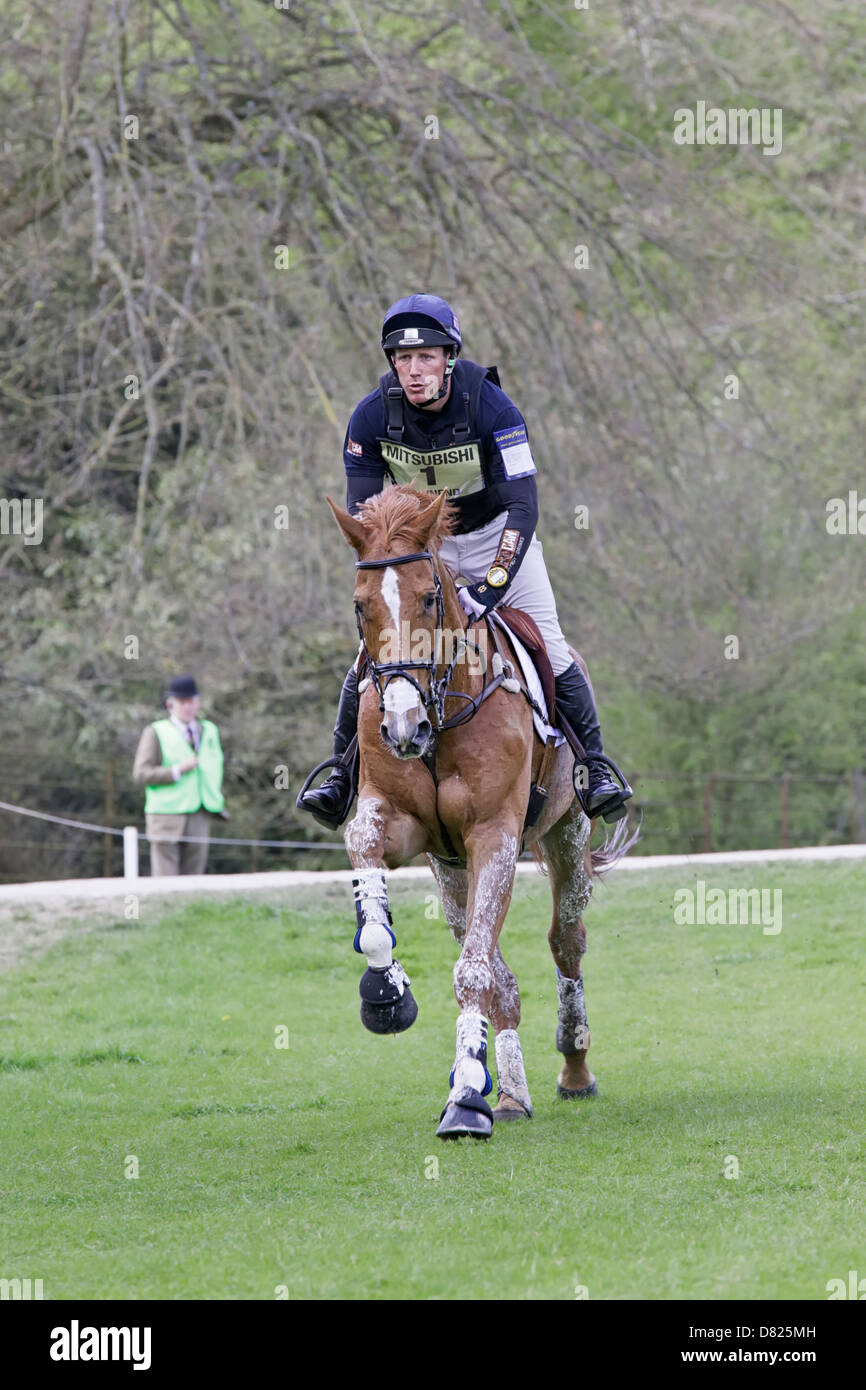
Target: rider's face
point(420, 371)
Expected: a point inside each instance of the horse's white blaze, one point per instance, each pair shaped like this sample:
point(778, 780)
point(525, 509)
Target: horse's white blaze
point(400, 695)
point(391, 595)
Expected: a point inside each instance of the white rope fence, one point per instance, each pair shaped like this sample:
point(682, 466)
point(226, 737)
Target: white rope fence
point(131, 836)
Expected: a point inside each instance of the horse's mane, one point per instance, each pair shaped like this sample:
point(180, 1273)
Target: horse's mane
point(396, 513)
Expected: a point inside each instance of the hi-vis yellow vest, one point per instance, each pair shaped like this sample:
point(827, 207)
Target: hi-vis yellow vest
point(202, 786)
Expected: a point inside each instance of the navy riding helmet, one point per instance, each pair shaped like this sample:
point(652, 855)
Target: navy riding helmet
point(422, 320)
point(433, 320)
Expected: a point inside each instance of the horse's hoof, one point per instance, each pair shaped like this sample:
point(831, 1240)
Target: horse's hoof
point(387, 1003)
point(517, 1111)
point(583, 1094)
point(470, 1115)
point(506, 1113)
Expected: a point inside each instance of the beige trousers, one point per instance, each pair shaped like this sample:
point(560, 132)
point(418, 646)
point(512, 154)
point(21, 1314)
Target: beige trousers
point(167, 855)
point(471, 556)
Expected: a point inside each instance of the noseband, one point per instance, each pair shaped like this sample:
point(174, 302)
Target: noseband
point(437, 691)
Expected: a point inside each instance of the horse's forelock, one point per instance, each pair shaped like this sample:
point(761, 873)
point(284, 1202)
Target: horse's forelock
point(396, 514)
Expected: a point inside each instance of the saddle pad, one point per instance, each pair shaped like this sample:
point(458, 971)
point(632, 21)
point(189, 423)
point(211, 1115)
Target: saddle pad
point(533, 684)
point(526, 628)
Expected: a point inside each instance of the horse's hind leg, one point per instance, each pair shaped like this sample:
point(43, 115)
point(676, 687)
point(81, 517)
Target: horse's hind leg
point(565, 850)
point(511, 1088)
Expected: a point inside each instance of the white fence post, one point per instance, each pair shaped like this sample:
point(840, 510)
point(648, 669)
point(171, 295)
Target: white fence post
point(130, 852)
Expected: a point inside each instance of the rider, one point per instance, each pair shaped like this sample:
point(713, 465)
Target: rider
point(441, 422)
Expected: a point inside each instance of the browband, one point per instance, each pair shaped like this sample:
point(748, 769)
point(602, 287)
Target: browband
point(397, 560)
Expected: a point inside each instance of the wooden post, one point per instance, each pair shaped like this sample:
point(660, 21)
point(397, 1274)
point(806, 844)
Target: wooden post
point(783, 809)
point(708, 800)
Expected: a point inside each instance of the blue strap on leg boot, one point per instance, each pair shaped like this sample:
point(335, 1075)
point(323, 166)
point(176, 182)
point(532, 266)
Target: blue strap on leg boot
point(578, 719)
point(467, 1112)
point(330, 803)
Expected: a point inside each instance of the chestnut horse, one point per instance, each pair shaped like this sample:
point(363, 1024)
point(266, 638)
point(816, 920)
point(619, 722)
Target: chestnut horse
point(458, 795)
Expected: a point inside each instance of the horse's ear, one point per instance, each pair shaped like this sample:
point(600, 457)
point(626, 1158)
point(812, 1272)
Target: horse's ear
point(354, 532)
point(431, 519)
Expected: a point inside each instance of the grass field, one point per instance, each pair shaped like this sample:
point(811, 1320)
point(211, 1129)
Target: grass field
point(309, 1169)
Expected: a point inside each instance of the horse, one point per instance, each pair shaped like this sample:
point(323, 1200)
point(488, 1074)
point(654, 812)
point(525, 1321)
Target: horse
point(447, 760)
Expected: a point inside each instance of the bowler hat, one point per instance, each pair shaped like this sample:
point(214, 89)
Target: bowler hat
point(184, 687)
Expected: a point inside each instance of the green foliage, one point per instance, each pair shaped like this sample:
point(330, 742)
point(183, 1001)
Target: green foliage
point(154, 259)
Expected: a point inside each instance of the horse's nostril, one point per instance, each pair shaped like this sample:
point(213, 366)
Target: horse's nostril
point(425, 729)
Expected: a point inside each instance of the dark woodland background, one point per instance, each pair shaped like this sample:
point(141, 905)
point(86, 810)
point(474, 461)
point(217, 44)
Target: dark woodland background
point(155, 258)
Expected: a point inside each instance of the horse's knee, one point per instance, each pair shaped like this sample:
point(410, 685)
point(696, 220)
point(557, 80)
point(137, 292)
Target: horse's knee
point(364, 836)
point(473, 980)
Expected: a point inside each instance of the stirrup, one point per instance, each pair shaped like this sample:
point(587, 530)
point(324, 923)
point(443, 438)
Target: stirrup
point(348, 760)
point(614, 808)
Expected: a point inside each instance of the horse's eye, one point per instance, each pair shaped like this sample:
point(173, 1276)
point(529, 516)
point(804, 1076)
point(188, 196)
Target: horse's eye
point(429, 602)
point(359, 608)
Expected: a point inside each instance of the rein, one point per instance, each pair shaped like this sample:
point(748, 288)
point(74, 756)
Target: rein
point(437, 691)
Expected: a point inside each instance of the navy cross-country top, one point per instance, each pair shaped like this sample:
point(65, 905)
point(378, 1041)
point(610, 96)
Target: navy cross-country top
point(485, 472)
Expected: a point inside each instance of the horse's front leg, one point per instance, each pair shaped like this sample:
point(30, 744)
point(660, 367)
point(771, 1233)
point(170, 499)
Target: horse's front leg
point(491, 859)
point(377, 836)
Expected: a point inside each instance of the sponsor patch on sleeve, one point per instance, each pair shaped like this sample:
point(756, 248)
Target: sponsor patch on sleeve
point(508, 545)
point(354, 448)
point(516, 454)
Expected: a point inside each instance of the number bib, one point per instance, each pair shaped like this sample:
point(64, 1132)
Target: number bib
point(455, 470)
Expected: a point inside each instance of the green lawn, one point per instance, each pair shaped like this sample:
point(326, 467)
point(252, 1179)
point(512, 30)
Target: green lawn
point(310, 1166)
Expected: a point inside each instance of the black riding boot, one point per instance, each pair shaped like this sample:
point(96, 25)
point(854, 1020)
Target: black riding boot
point(330, 802)
point(574, 698)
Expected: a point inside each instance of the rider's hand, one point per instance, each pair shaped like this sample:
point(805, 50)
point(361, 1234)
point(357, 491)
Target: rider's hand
point(470, 605)
point(188, 765)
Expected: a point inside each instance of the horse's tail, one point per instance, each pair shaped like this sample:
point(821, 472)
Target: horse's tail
point(615, 847)
point(538, 855)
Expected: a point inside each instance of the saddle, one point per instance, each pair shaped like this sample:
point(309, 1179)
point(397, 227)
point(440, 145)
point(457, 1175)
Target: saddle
point(526, 630)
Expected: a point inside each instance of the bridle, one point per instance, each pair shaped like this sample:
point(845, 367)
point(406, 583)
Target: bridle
point(437, 691)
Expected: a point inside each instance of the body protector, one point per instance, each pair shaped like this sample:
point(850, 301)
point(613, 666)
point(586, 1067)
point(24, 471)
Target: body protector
point(407, 452)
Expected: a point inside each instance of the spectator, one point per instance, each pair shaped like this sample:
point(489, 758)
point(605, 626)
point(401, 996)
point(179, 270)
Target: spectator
point(180, 761)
